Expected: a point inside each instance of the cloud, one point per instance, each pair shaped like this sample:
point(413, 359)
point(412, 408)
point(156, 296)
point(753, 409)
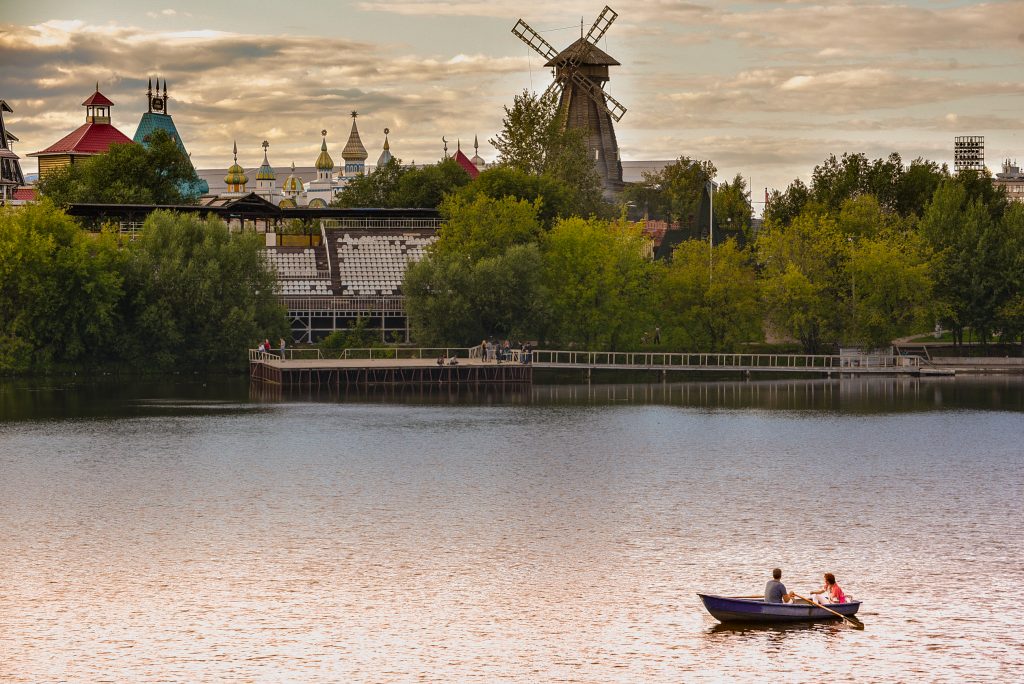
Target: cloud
point(225, 86)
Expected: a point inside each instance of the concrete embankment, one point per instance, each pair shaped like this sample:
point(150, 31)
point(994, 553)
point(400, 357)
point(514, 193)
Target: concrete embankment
point(966, 365)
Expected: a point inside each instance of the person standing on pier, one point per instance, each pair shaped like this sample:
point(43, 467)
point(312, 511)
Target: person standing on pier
point(282, 348)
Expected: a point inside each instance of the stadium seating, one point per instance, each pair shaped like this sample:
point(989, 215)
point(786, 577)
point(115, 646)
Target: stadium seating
point(375, 264)
point(297, 272)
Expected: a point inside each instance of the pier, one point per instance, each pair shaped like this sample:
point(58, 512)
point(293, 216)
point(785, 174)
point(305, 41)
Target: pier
point(413, 366)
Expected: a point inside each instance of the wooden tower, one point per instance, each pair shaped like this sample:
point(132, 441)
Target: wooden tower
point(581, 70)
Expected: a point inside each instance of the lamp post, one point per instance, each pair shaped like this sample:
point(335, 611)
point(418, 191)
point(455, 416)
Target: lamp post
point(711, 231)
point(853, 288)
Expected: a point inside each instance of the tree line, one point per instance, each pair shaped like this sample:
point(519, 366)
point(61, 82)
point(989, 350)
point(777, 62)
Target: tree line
point(186, 295)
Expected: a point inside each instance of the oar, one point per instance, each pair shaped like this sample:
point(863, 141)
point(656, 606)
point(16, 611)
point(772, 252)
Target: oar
point(855, 624)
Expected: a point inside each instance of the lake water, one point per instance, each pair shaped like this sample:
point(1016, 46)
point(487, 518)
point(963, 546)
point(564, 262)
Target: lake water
point(202, 532)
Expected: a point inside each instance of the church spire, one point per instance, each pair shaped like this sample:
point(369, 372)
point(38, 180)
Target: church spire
point(354, 153)
point(385, 155)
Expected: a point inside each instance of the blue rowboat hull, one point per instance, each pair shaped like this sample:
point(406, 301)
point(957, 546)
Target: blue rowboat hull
point(726, 609)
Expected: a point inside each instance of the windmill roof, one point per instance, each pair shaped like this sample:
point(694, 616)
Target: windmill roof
point(592, 55)
point(89, 138)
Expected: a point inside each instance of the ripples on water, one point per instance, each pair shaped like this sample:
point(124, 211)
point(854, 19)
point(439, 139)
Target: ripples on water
point(193, 533)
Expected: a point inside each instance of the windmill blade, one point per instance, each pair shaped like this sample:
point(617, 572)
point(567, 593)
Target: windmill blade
point(605, 19)
point(554, 89)
point(526, 34)
point(603, 99)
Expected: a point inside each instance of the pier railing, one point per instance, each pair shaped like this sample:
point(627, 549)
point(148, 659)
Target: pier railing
point(668, 360)
point(410, 353)
point(309, 353)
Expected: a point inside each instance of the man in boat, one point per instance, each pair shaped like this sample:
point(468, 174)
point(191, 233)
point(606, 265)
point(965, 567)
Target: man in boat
point(775, 591)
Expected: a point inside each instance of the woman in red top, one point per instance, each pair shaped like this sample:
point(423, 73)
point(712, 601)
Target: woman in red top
point(833, 593)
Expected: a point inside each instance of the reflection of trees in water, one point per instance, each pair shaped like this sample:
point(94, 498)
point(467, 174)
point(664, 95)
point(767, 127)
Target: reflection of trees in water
point(857, 395)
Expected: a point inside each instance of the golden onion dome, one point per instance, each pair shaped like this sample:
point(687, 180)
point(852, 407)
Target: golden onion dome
point(324, 161)
point(292, 183)
point(236, 174)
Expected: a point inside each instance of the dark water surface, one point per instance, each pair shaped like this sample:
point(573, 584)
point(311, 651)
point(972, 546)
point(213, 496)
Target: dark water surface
point(203, 532)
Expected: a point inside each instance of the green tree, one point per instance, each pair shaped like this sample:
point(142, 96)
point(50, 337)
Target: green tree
point(675, 192)
point(709, 302)
point(975, 245)
point(732, 209)
point(803, 271)
point(528, 132)
point(597, 277)
point(376, 189)
point(551, 197)
point(535, 140)
point(481, 278)
point(891, 288)
point(426, 187)
point(198, 295)
point(59, 291)
point(126, 174)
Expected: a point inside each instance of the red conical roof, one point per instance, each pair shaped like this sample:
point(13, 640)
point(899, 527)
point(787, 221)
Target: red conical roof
point(98, 98)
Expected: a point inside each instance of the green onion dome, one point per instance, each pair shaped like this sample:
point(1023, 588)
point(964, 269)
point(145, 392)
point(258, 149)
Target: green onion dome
point(265, 172)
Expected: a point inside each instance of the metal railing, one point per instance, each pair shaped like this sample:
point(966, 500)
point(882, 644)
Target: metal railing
point(377, 223)
point(334, 303)
point(317, 274)
point(660, 360)
point(382, 353)
point(301, 353)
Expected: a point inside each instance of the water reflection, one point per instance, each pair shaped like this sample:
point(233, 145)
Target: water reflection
point(852, 395)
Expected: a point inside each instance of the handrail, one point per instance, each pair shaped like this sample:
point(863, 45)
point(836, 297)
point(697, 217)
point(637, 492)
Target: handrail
point(393, 352)
point(327, 249)
point(289, 354)
point(393, 304)
point(594, 359)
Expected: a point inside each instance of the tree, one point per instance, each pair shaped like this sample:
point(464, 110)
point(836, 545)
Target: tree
point(597, 278)
point(891, 288)
point(709, 304)
point(732, 208)
point(550, 196)
point(483, 227)
point(481, 278)
point(197, 294)
point(528, 132)
point(975, 245)
point(674, 193)
point(426, 187)
point(59, 291)
point(535, 140)
point(126, 174)
point(376, 189)
point(803, 270)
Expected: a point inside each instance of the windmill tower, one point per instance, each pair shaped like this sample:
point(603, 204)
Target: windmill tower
point(581, 70)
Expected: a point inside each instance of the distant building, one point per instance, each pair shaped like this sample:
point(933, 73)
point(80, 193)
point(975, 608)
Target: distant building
point(1012, 180)
point(11, 176)
point(465, 162)
point(969, 153)
point(159, 118)
point(93, 137)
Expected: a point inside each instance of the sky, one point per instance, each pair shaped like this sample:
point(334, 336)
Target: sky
point(763, 89)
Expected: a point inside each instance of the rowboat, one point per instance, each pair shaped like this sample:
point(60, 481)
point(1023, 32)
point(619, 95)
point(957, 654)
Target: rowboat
point(725, 609)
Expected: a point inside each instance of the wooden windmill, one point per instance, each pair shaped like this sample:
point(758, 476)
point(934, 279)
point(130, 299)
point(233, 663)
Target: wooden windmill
point(581, 70)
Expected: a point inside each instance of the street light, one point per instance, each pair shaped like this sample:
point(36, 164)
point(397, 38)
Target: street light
point(711, 231)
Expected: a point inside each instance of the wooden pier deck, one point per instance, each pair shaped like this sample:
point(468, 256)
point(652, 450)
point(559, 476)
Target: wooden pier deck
point(399, 366)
